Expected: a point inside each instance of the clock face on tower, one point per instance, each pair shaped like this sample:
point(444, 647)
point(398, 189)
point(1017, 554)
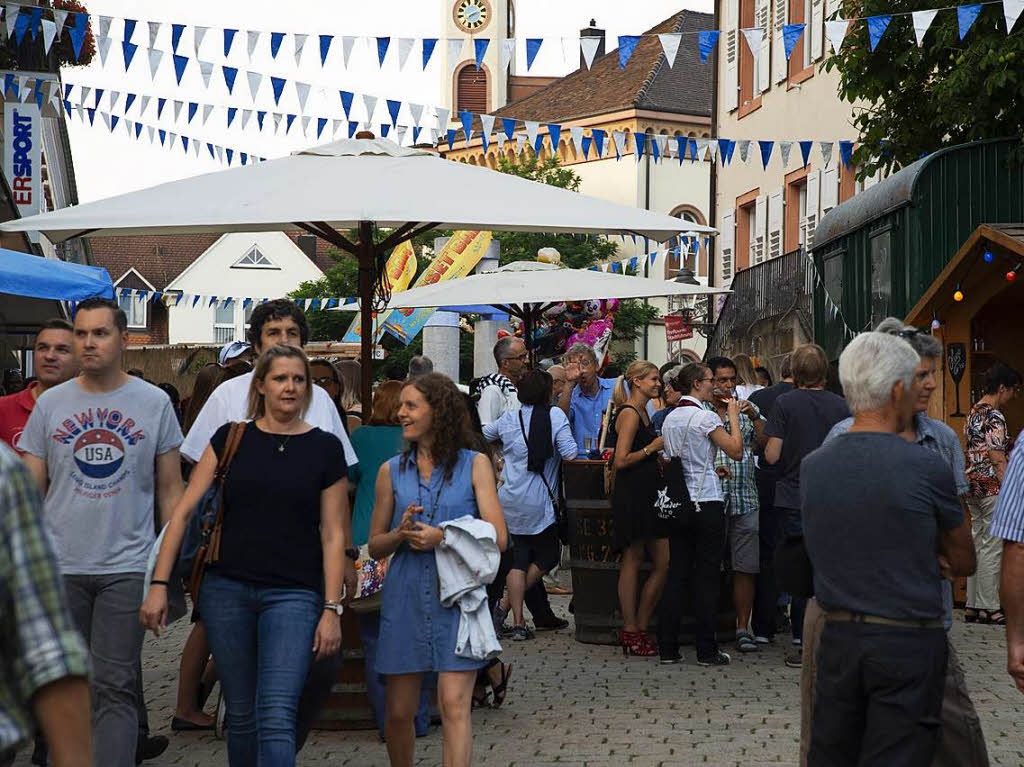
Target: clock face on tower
point(472, 16)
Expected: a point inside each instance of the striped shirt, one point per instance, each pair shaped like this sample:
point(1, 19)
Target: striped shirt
point(39, 641)
point(1008, 520)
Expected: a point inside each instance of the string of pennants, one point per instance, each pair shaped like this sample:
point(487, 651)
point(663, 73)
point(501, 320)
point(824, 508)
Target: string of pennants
point(598, 143)
point(193, 300)
point(833, 309)
point(23, 18)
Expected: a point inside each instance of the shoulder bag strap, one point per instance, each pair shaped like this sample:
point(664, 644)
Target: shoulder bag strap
point(234, 439)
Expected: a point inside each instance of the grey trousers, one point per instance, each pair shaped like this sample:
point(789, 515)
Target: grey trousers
point(962, 743)
point(105, 609)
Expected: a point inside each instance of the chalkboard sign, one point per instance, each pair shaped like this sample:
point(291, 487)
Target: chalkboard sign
point(956, 363)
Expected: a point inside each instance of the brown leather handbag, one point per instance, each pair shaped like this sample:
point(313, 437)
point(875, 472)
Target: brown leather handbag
point(209, 546)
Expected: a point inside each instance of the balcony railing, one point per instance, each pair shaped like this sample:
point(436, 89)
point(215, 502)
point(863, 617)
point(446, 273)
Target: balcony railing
point(771, 289)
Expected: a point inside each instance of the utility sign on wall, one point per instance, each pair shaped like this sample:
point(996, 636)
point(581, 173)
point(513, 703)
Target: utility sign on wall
point(22, 157)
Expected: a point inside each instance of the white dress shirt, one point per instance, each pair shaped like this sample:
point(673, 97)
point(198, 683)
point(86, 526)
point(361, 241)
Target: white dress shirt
point(685, 432)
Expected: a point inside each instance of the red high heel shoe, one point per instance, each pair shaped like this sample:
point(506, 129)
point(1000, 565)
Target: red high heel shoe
point(637, 643)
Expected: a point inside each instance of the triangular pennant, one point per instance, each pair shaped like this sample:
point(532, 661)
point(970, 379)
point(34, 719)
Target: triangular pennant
point(128, 51)
point(160, 104)
point(11, 13)
point(790, 37)
point(744, 146)
point(49, 33)
point(845, 152)
point(230, 73)
point(252, 39)
point(442, 117)
point(589, 46)
point(155, 57)
point(382, 49)
point(405, 45)
point(805, 151)
point(1011, 12)
point(922, 20)
point(325, 47)
point(321, 123)
point(486, 127)
point(467, 124)
point(129, 99)
point(154, 30)
point(104, 48)
point(480, 50)
point(532, 129)
point(966, 16)
point(877, 26)
point(727, 147)
point(451, 139)
point(508, 125)
point(785, 147)
point(416, 134)
point(232, 111)
point(77, 32)
point(207, 109)
point(508, 49)
point(627, 44)
point(599, 141)
point(288, 120)
point(416, 110)
point(429, 43)
point(246, 118)
point(670, 46)
point(59, 17)
point(300, 45)
point(826, 152)
point(104, 26)
point(533, 45)
point(585, 146)
point(115, 96)
point(229, 40)
point(335, 127)
point(577, 138)
point(347, 43)
point(370, 102)
point(176, 30)
point(753, 37)
point(394, 107)
point(255, 80)
point(276, 39)
point(836, 30)
point(619, 138)
point(178, 105)
point(180, 62)
point(400, 135)
point(706, 41)
point(555, 134)
point(454, 53)
point(346, 103)
point(702, 149)
point(302, 91)
point(261, 115)
point(198, 34)
point(521, 139)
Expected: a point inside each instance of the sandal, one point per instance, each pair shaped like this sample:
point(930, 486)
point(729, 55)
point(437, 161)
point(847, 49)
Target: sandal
point(971, 615)
point(992, 618)
point(500, 689)
point(745, 642)
point(480, 699)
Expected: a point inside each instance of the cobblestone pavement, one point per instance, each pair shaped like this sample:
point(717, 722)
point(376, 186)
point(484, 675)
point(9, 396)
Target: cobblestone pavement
point(587, 706)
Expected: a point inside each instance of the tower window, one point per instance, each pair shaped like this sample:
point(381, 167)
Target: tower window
point(471, 89)
point(254, 259)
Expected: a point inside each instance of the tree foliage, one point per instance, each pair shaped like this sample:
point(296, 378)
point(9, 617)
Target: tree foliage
point(911, 101)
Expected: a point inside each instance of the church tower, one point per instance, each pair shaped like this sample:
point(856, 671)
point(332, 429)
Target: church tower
point(463, 87)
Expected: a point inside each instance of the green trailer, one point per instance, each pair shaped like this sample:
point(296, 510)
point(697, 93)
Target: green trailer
point(879, 252)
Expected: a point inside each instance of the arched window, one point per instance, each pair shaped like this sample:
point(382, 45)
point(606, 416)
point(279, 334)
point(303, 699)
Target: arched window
point(682, 253)
point(471, 89)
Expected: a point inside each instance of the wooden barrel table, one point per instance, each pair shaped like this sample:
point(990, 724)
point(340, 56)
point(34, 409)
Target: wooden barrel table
point(348, 707)
point(595, 568)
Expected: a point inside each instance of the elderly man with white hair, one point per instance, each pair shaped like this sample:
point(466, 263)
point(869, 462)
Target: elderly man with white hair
point(881, 519)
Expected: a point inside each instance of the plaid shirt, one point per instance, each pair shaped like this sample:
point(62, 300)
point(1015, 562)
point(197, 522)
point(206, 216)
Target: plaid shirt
point(741, 487)
point(38, 641)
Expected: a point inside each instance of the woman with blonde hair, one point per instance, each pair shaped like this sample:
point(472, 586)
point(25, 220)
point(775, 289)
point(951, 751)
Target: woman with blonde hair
point(746, 376)
point(636, 526)
point(351, 386)
point(274, 592)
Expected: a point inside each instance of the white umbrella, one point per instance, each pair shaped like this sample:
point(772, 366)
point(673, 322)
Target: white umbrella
point(355, 184)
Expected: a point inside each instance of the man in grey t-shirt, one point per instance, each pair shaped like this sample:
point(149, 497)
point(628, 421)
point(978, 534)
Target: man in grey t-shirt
point(99, 447)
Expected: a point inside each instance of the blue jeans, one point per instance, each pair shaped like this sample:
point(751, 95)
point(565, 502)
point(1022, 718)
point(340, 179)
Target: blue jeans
point(376, 691)
point(262, 639)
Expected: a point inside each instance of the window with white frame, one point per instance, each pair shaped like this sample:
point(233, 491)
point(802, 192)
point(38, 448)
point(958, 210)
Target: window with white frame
point(136, 309)
point(254, 258)
point(809, 32)
point(224, 323)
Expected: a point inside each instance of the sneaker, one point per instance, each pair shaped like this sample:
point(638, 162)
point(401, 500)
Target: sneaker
point(150, 747)
point(520, 634)
point(498, 616)
point(798, 642)
point(671, 658)
point(763, 640)
point(795, 657)
point(551, 624)
point(717, 659)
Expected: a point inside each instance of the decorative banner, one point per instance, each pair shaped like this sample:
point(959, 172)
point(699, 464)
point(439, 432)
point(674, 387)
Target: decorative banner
point(22, 143)
point(922, 20)
point(400, 269)
point(677, 328)
point(836, 31)
point(457, 259)
point(965, 17)
point(876, 28)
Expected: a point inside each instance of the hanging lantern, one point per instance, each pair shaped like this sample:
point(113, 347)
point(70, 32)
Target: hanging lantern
point(958, 295)
point(988, 256)
point(1011, 276)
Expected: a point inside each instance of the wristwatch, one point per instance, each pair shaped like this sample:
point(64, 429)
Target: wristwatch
point(352, 554)
point(334, 607)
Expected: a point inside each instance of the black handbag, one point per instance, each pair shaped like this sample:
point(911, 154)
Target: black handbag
point(673, 503)
point(557, 501)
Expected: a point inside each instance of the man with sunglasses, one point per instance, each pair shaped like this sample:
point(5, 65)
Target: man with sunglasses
point(585, 396)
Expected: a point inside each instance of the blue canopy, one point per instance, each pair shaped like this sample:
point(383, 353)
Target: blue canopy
point(23, 274)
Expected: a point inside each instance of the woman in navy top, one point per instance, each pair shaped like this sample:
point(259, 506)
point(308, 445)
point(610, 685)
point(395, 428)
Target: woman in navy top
point(437, 480)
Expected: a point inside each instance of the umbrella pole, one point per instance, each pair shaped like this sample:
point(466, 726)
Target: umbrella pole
point(367, 256)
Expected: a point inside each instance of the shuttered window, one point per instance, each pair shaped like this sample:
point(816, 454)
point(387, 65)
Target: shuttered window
point(471, 90)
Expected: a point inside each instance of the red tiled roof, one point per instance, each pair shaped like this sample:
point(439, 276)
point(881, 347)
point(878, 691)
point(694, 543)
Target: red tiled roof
point(159, 259)
point(647, 82)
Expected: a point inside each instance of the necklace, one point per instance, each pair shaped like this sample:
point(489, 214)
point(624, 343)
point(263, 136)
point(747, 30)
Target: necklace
point(280, 445)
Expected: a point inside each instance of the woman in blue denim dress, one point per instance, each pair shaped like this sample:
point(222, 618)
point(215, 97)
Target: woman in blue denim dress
point(437, 480)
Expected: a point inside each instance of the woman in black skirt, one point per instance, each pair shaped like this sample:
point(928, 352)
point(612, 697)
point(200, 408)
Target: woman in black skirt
point(636, 525)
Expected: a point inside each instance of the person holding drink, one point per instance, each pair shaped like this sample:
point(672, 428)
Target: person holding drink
point(585, 397)
point(636, 525)
point(740, 491)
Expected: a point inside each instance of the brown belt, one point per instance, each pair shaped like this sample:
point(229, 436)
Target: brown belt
point(845, 616)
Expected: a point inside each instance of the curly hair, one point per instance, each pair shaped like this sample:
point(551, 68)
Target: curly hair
point(450, 427)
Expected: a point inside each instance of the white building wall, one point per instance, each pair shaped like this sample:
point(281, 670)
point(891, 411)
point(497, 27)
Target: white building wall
point(214, 274)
